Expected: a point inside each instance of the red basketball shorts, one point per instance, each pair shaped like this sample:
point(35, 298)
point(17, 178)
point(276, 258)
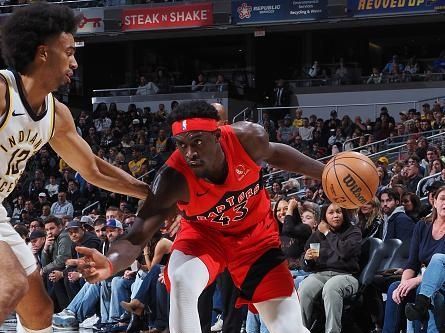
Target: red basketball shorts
point(254, 259)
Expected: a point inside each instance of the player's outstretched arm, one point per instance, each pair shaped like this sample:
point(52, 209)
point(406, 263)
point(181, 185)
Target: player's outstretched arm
point(169, 187)
point(255, 141)
point(77, 153)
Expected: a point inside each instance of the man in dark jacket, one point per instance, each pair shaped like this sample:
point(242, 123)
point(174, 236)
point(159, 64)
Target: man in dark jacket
point(56, 251)
point(396, 224)
point(79, 237)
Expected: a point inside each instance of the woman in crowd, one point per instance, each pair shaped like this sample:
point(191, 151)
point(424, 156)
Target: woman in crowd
point(276, 191)
point(412, 205)
point(431, 294)
point(427, 240)
point(369, 218)
point(332, 255)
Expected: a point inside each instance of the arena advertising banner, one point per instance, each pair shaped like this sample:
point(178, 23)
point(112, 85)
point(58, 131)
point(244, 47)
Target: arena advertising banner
point(167, 17)
point(269, 11)
point(92, 20)
point(391, 7)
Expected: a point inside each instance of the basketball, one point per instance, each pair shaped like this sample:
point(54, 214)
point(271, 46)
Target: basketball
point(350, 179)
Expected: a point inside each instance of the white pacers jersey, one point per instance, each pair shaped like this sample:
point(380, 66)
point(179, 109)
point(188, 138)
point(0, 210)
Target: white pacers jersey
point(22, 133)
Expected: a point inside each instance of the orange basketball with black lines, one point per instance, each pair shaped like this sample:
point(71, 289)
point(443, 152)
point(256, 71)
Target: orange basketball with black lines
point(350, 179)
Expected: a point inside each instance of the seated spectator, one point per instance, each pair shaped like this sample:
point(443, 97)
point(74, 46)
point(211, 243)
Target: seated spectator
point(62, 207)
point(138, 159)
point(286, 133)
point(305, 132)
point(428, 239)
point(414, 174)
point(332, 267)
point(276, 191)
point(431, 294)
point(56, 251)
point(314, 70)
point(146, 87)
point(200, 84)
point(394, 69)
point(37, 239)
point(79, 237)
point(411, 69)
point(220, 84)
point(294, 233)
point(412, 205)
point(369, 218)
point(102, 122)
point(375, 77)
point(46, 212)
point(36, 224)
point(42, 201)
point(396, 224)
point(164, 144)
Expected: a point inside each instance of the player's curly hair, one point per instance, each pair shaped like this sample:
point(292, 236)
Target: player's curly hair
point(193, 109)
point(31, 26)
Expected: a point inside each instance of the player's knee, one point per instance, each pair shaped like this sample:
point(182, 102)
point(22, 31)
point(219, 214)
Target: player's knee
point(181, 283)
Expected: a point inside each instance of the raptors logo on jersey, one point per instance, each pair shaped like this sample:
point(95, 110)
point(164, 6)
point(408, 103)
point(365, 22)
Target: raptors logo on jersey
point(22, 133)
point(232, 207)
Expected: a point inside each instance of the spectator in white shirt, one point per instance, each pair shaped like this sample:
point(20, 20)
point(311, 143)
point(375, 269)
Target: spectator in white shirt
point(146, 88)
point(52, 187)
point(306, 131)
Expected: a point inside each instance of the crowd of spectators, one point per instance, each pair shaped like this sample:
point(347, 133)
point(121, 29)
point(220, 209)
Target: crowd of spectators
point(55, 209)
point(394, 71)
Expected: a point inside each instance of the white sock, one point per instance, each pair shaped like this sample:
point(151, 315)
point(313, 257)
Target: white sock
point(188, 277)
point(21, 329)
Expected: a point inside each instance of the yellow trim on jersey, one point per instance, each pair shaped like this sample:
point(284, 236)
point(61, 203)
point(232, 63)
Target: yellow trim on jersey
point(52, 107)
point(9, 112)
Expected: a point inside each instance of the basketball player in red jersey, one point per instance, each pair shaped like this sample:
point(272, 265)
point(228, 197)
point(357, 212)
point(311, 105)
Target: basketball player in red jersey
point(214, 178)
point(38, 47)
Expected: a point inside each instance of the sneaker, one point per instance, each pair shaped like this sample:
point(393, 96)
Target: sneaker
point(89, 322)
point(67, 324)
point(65, 313)
point(217, 327)
point(66, 318)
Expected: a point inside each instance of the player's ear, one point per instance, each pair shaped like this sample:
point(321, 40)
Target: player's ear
point(42, 53)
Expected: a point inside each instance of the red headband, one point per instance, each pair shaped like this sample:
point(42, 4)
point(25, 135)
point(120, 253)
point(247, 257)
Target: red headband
point(194, 124)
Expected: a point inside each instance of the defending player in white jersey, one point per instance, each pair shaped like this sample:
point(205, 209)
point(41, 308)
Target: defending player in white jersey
point(38, 45)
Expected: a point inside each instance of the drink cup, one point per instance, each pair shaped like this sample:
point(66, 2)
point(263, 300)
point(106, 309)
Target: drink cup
point(316, 249)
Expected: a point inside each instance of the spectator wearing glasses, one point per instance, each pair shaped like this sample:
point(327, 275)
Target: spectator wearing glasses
point(36, 224)
point(414, 173)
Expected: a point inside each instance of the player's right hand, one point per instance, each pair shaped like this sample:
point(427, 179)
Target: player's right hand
point(93, 266)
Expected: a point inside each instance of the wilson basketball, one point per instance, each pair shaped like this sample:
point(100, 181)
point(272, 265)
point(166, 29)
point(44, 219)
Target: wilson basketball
point(350, 179)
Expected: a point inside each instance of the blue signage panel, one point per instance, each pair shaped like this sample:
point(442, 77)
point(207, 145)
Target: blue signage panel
point(267, 11)
point(390, 7)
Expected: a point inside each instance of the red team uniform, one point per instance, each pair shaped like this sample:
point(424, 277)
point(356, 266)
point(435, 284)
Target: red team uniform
point(231, 225)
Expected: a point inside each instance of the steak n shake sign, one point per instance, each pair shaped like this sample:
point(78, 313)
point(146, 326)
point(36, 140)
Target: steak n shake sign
point(167, 17)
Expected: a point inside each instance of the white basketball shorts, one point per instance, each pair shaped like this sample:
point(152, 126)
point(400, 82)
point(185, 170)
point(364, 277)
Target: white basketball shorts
point(17, 244)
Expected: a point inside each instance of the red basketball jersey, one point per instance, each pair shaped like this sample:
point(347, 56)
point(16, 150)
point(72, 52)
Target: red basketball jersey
point(234, 206)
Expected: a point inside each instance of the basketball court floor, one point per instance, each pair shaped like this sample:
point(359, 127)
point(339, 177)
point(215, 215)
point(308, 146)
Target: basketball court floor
point(10, 326)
